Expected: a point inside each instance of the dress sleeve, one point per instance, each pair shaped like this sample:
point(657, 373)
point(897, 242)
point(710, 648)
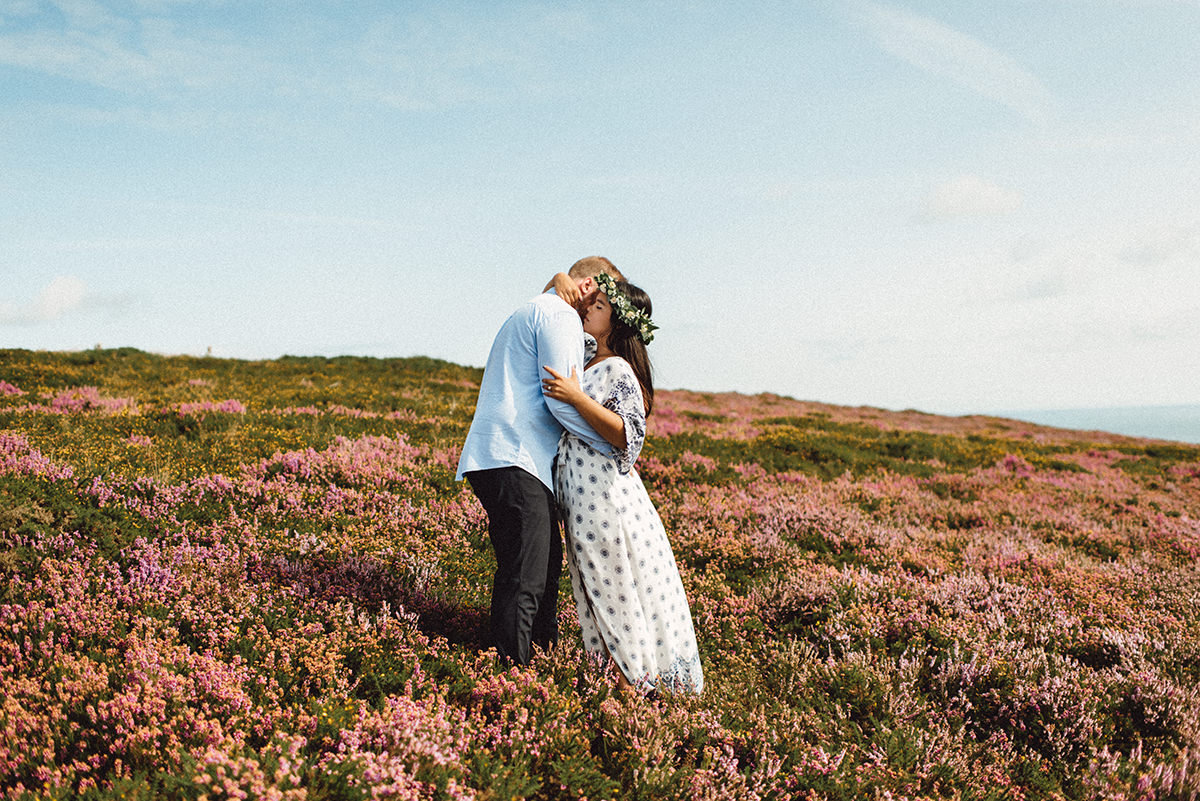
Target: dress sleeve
point(623, 394)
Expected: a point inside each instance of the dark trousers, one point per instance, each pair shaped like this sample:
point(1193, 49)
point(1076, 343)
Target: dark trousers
point(523, 528)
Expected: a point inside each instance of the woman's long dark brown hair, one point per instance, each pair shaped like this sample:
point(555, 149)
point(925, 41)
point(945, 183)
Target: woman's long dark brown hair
point(623, 340)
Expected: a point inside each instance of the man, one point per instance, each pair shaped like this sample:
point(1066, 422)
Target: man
point(508, 458)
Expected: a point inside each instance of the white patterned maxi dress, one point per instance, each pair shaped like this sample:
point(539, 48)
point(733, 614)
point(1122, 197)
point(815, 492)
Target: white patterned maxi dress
point(623, 571)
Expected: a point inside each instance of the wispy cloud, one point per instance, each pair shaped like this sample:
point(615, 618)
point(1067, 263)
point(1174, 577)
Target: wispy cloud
point(454, 56)
point(1157, 247)
point(64, 294)
point(18, 8)
point(1114, 274)
point(424, 60)
point(970, 196)
point(87, 14)
point(134, 56)
point(941, 50)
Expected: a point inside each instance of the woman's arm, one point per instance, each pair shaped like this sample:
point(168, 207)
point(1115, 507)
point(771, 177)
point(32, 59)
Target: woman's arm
point(566, 289)
point(608, 424)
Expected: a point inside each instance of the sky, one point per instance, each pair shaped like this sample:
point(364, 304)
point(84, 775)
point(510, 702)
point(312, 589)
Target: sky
point(947, 206)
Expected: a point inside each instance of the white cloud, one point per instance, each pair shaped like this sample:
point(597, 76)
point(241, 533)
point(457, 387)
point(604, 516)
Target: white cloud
point(453, 56)
point(98, 59)
point(86, 14)
point(970, 326)
point(64, 294)
point(134, 55)
point(17, 8)
point(1156, 247)
point(970, 196)
point(1124, 261)
point(167, 5)
point(411, 61)
point(939, 49)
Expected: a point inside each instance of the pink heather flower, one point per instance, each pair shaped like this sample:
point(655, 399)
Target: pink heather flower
point(18, 456)
point(10, 389)
point(1016, 465)
point(448, 458)
point(311, 410)
point(230, 406)
point(1184, 471)
point(704, 463)
point(751, 470)
point(346, 411)
point(86, 398)
point(664, 422)
point(76, 399)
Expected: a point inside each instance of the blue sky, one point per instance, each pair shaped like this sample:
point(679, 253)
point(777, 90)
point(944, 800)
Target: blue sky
point(950, 206)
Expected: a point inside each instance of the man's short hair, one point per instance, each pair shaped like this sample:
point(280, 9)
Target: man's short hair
point(592, 266)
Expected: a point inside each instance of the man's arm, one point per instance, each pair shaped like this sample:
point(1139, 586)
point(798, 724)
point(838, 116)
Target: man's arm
point(560, 345)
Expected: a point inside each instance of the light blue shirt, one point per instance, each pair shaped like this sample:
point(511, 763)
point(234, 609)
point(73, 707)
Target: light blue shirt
point(515, 425)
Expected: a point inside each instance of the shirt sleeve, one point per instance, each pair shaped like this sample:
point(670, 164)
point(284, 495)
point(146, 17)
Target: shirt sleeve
point(560, 345)
point(623, 394)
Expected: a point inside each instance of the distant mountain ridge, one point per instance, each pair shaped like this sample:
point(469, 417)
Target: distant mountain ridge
point(1180, 422)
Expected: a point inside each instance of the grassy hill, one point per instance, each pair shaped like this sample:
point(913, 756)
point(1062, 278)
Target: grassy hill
point(232, 579)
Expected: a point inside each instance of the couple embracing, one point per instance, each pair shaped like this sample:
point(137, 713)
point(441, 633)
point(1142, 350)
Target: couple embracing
point(559, 423)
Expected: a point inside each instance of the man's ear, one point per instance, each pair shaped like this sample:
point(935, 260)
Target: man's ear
point(587, 286)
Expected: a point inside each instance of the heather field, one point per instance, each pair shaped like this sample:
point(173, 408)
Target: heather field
point(259, 580)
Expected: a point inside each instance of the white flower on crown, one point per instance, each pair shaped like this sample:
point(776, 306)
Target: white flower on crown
point(627, 313)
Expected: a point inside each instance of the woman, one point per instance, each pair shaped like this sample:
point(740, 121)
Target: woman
point(631, 601)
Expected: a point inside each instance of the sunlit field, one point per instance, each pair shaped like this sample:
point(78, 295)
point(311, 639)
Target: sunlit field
point(229, 579)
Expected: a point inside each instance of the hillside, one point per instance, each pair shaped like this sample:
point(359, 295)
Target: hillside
point(232, 579)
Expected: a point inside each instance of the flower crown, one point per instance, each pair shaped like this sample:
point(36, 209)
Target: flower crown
point(627, 313)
